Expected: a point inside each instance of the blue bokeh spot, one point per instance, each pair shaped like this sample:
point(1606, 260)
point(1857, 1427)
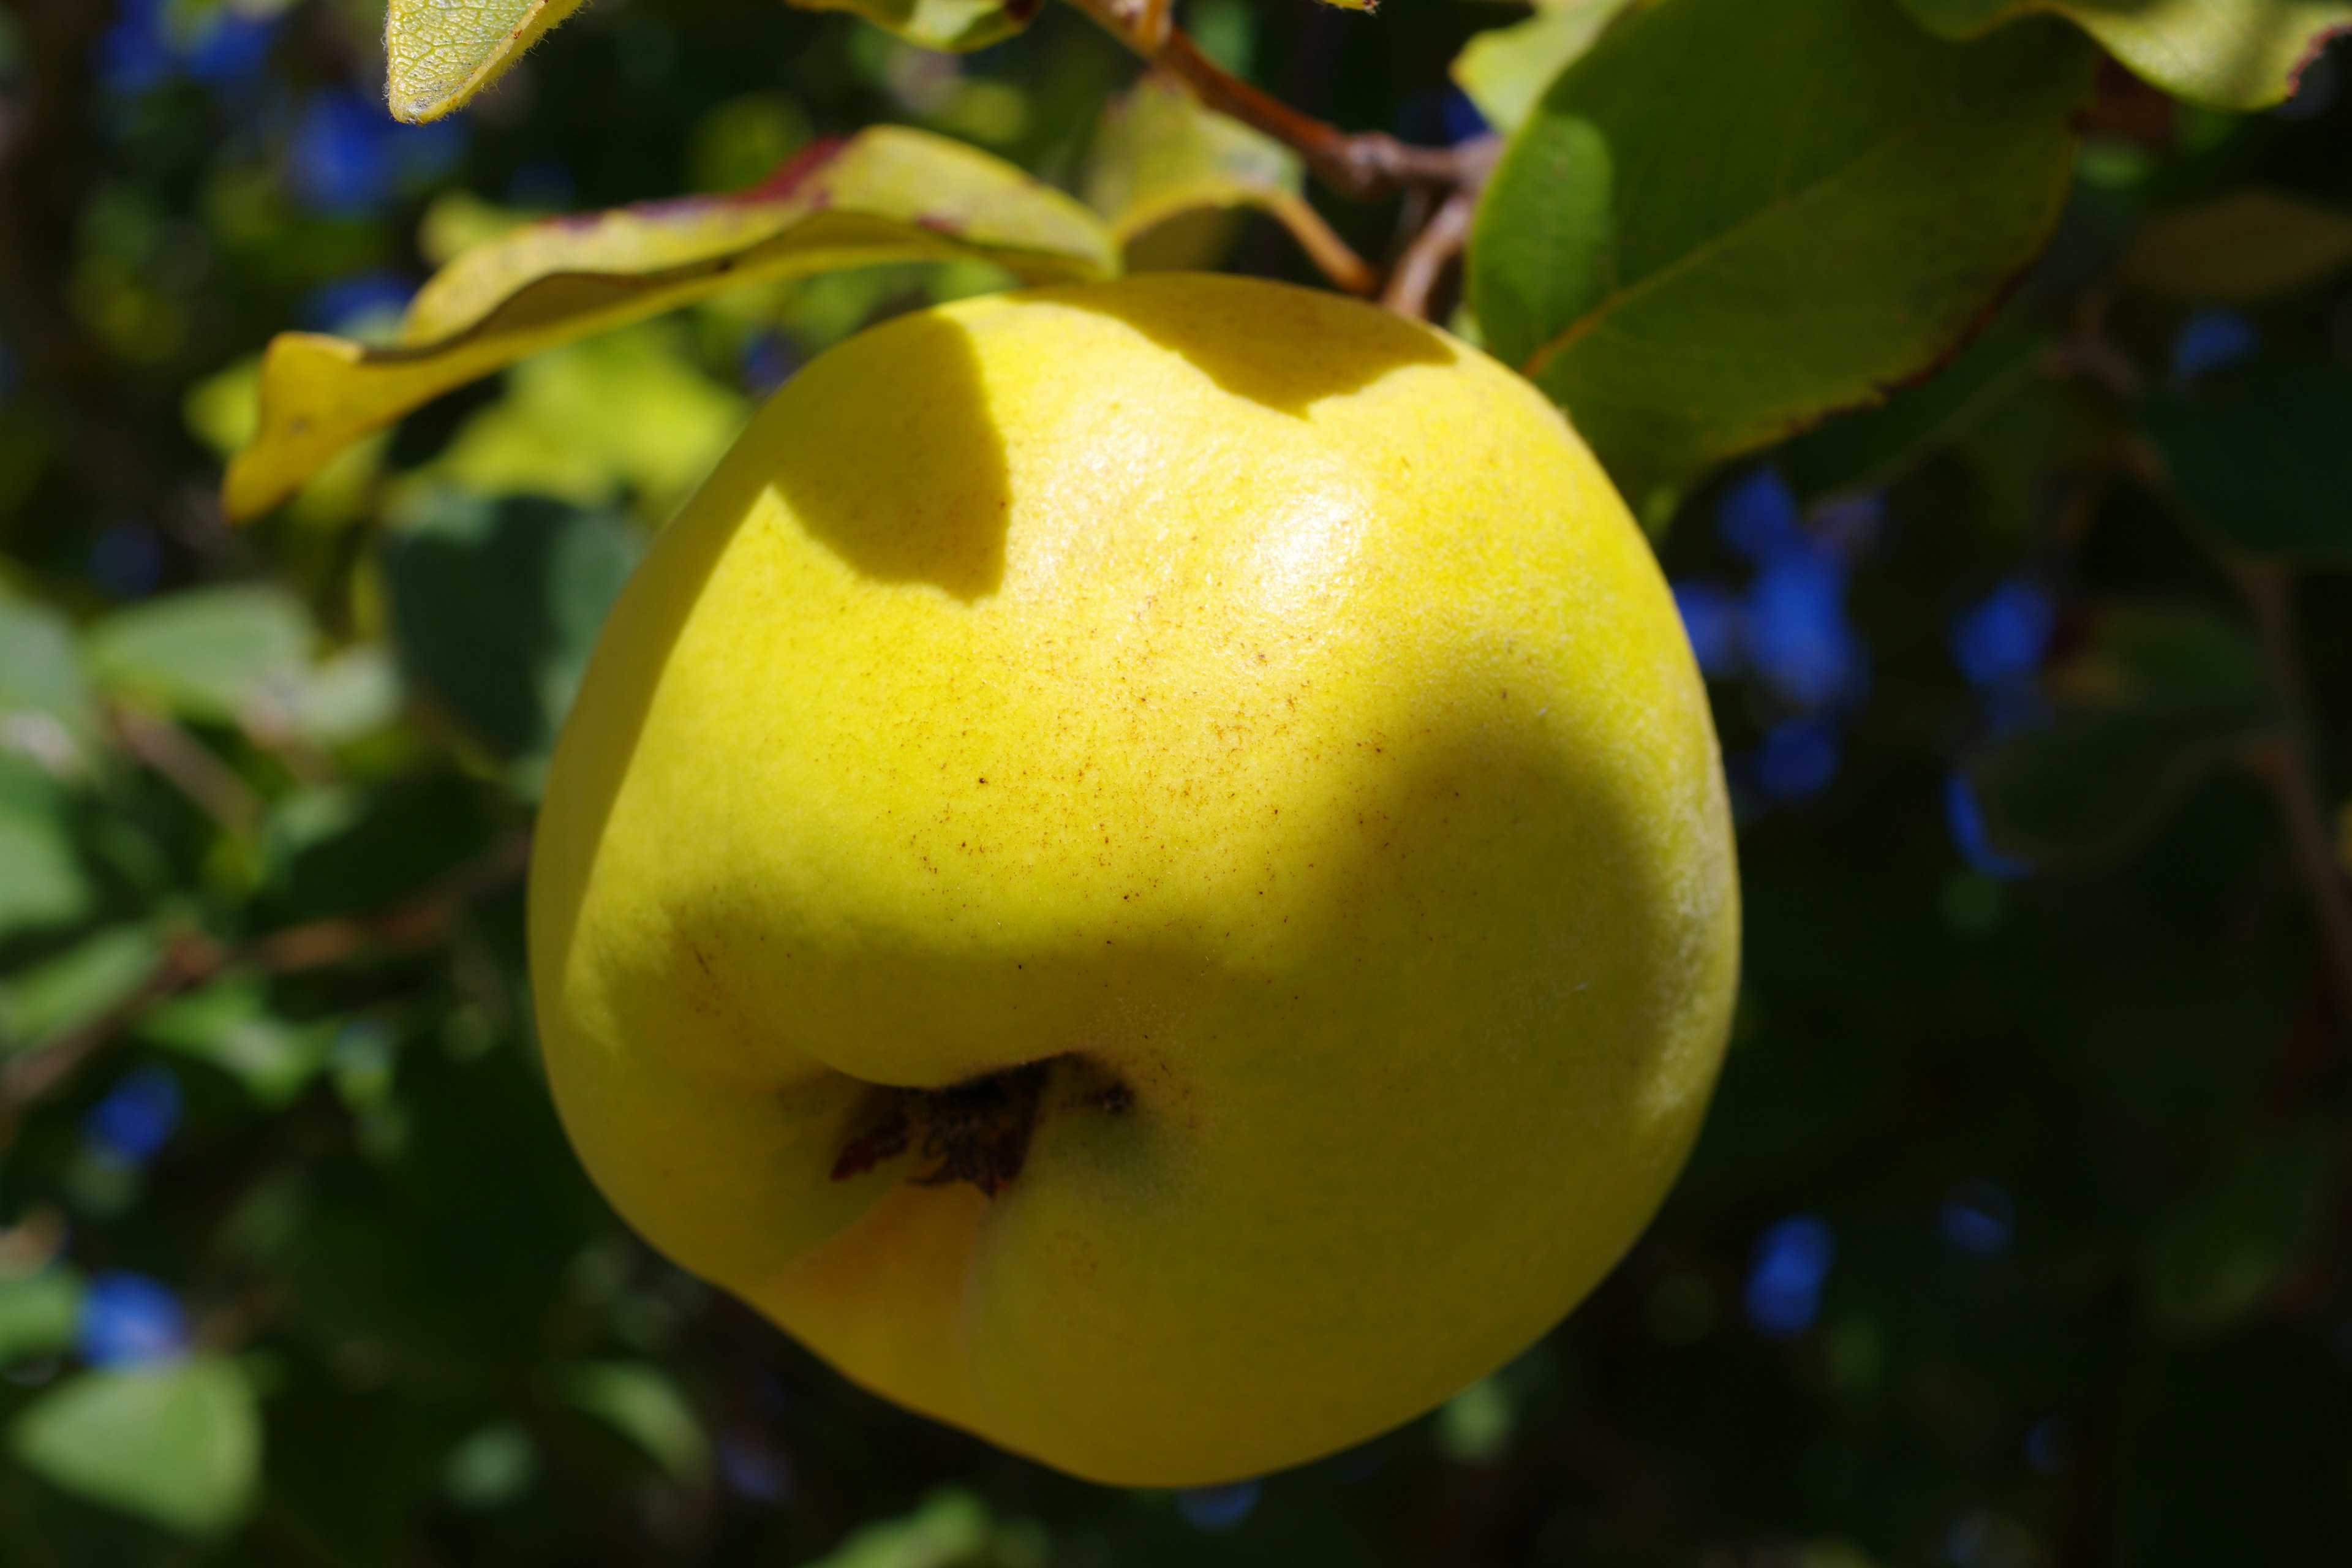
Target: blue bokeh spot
point(128, 1319)
point(2210, 341)
point(135, 1119)
point(1964, 816)
point(1217, 1509)
point(2001, 638)
point(1784, 1286)
point(1757, 517)
point(1712, 619)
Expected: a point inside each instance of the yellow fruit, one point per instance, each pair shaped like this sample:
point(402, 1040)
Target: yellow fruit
point(1211, 761)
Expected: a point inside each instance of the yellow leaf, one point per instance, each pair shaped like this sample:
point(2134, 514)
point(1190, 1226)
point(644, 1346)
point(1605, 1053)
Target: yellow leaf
point(2228, 54)
point(959, 25)
point(1160, 153)
point(886, 194)
point(440, 53)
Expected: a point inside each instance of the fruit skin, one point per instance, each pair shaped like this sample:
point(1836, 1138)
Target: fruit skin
point(1256, 705)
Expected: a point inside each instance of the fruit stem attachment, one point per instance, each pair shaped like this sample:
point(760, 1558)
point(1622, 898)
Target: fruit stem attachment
point(976, 1131)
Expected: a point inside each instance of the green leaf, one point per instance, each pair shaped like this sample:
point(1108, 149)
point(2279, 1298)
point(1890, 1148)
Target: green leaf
point(643, 1404)
point(496, 607)
point(1160, 153)
point(40, 1314)
point(885, 195)
point(225, 654)
point(958, 24)
point(951, 1529)
point(2264, 458)
point(349, 697)
point(629, 413)
point(490, 1467)
point(178, 1444)
point(2222, 1255)
point(1734, 216)
point(46, 710)
point(2162, 695)
point(77, 986)
point(1506, 69)
point(2240, 248)
point(1875, 447)
point(439, 53)
point(42, 883)
point(2227, 54)
point(228, 1024)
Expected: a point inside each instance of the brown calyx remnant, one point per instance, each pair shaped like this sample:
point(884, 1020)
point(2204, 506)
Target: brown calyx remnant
point(976, 1131)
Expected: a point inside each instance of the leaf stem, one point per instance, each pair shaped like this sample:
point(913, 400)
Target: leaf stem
point(1360, 164)
point(190, 959)
point(1415, 282)
point(2291, 768)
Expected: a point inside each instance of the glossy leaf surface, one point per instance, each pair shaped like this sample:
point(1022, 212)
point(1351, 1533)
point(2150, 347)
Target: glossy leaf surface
point(1734, 216)
point(1506, 69)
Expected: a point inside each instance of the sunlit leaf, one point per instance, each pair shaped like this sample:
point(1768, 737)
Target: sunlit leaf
point(2230, 53)
point(642, 1404)
point(215, 654)
point(440, 53)
point(1161, 154)
point(2240, 248)
point(1506, 69)
point(951, 1528)
point(177, 1444)
point(1848, 195)
point(2159, 696)
point(886, 194)
point(2224, 1253)
point(228, 1024)
point(2264, 458)
point(958, 24)
point(628, 414)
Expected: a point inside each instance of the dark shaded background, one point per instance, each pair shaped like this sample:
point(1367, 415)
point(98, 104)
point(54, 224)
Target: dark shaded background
point(2017, 1235)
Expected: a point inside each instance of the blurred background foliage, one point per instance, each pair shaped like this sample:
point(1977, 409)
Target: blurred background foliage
point(2017, 1233)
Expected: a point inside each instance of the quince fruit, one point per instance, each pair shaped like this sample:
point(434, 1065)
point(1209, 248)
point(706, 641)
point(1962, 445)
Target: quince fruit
point(1146, 869)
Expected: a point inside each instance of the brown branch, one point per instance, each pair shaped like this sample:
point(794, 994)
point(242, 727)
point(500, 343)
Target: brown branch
point(1415, 282)
point(1362, 164)
point(190, 959)
point(2291, 768)
point(190, 765)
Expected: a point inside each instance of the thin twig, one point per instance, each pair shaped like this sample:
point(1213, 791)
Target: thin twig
point(2291, 768)
point(1365, 163)
point(190, 959)
point(1414, 281)
point(189, 763)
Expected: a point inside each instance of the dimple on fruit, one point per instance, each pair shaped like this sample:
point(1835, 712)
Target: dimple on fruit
point(1145, 869)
